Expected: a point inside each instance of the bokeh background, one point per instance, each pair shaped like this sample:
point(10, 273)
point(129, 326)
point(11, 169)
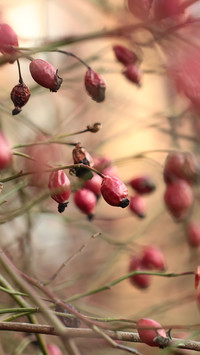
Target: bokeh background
point(134, 120)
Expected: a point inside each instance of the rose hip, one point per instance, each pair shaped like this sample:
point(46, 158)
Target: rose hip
point(5, 152)
point(179, 198)
point(133, 73)
point(60, 188)
point(8, 39)
point(94, 184)
point(20, 95)
point(95, 85)
point(86, 201)
point(114, 191)
point(153, 258)
point(167, 8)
point(53, 349)
point(152, 337)
point(138, 206)
point(141, 281)
point(140, 8)
point(193, 233)
point(45, 74)
point(142, 184)
point(124, 55)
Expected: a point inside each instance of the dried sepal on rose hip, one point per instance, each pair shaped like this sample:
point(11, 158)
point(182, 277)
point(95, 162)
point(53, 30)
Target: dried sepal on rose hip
point(81, 156)
point(152, 333)
point(60, 188)
point(5, 152)
point(140, 281)
point(179, 199)
point(138, 206)
point(133, 74)
point(114, 191)
point(142, 184)
point(95, 85)
point(140, 8)
point(124, 55)
point(86, 201)
point(8, 40)
point(45, 74)
point(20, 95)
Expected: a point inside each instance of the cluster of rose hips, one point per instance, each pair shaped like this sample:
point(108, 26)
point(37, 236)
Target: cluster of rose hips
point(151, 258)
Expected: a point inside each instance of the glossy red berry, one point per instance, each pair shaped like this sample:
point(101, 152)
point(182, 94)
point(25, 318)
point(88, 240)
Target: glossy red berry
point(181, 166)
point(86, 201)
point(45, 74)
point(114, 191)
point(193, 233)
point(8, 39)
point(133, 73)
point(95, 85)
point(153, 258)
point(124, 55)
point(5, 152)
point(20, 95)
point(60, 188)
point(94, 184)
point(140, 8)
point(138, 206)
point(167, 8)
point(53, 349)
point(152, 337)
point(140, 281)
point(142, 184)
point(179, 198)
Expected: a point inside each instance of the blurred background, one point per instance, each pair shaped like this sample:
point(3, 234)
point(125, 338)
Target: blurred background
point(151, 118)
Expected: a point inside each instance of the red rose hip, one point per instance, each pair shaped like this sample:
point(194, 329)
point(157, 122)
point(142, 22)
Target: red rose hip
point(140, 8)
point(5, 152)
point(94, 184)
point(45, 74)
point(86, 201)
point(152, 337)
point(114, 191)
point(138, 206)
point(124, 55)
point(133, 73)
point(153, 258)
point(95, 85)
point(60, 188)
point(143, 184)
point(8, 39)
point(179, 198)
point(140, 281)
point(193, 233)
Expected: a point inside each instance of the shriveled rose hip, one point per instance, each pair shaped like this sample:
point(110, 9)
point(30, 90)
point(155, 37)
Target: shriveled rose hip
point(86, 201)
point(95, 85)
point(140, 8)
point(142, 184)
point(181, 165)
point(45, 74)
point(152, 337)
point(5, 152)
point(124, 55)
point(141, 281)
point(114, 191)
point(53, 349)
point(81, 156)
point(193, 233)
point(60, 188)
point(153, 258)
point(138, 206)
point(179, 198)
point(20, 95)
point(8, 39)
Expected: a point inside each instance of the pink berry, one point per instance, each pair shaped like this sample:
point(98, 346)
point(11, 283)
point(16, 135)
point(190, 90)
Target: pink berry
point(133, 73)
point(20, 95)
point(150, 336)
point(45, 74)
point(193, 233)
point(8, 39)
point(140, 8)
point(53, 349)
point(114, 191)
point(167, 8)
point(95, 85)
point(94, 184)
point(5, 152)
point(124, 55)
point(153, 258)
point(138, 206)
point(179, 198)
point(141, 281)
point(60, 188)
point(181, 166)
point(86, 201)
point(142, 184)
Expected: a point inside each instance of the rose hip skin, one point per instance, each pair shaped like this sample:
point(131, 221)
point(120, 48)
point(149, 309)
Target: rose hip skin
point(167, 8)
point(124, 55)
point(153, 258)
point(53, 349)
point(140, 8)
point(179, 198)
point(148, 336)
point(114, 191)
point(20, 95)
point(138, 206)
point(193, 233)
point(8, 39)
point(60, 188)
point(5, 152)
point(142, 184)
point(141, 281)
point(133, 73)
point(95, 85)
point(45, 74)
point(86, 201)
point(94, 184)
